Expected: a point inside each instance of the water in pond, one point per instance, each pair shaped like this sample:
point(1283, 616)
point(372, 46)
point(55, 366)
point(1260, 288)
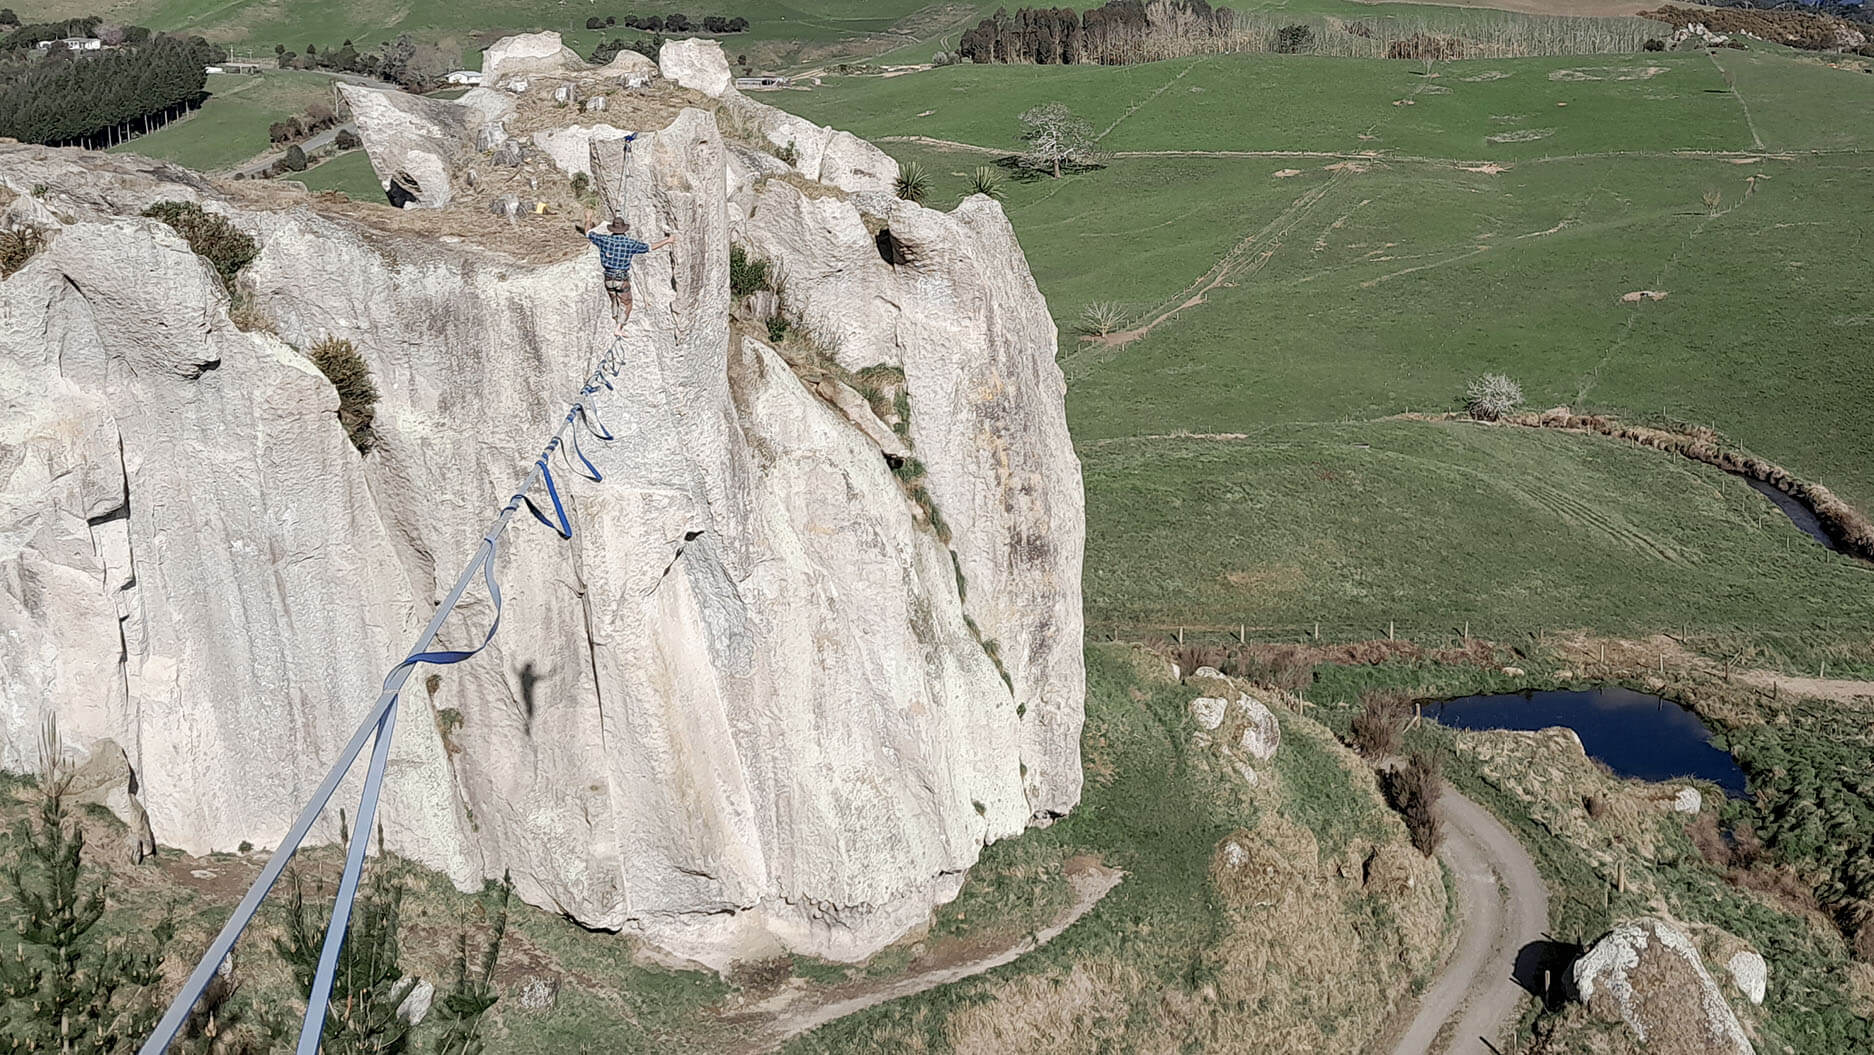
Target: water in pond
point(1800, 515)
point(1636, 734)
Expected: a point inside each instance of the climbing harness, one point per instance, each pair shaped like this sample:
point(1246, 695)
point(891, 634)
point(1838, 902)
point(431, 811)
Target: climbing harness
point(381, 719)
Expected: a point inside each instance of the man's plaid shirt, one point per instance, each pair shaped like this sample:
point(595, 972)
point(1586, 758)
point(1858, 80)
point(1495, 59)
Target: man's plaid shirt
point(616, 251)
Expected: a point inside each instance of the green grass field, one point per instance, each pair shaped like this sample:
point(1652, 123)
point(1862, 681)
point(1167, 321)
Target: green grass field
point(1380, 271)
point(231, 125)
point(349, 174)
point(1516, 533)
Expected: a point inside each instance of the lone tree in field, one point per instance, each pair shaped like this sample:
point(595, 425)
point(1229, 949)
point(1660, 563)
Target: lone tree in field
point(1055, 137)
point(1492, 396)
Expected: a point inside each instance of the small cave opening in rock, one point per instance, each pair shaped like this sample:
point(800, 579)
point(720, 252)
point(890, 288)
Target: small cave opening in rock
point(890, 249)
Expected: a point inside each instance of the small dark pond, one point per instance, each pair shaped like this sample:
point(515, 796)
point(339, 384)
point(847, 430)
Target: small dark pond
point(1634, 733)
point(1799, 514)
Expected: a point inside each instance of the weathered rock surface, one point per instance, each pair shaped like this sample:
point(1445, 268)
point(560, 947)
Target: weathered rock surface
point(1241, 726)
point(1750, 974)
point(1209, 711)
point(962, 318)
point(105, 778)
point(571, 147)
point(1262, 734)
point(1648, 974)
point(827, 155)
point(744, 709)
point(419, 142)
point(697, 64)
point(526, 53)
point(1687, 800)
point(628, 62)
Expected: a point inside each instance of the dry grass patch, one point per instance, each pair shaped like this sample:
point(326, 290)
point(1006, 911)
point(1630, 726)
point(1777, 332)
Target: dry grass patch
point(1080, 1012)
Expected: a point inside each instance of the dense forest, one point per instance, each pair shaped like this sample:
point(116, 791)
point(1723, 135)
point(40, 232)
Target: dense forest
point(98, 98)
point(1122, 31)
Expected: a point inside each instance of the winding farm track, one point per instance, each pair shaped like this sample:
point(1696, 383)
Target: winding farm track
point(1503, 906)
point(790, 1013)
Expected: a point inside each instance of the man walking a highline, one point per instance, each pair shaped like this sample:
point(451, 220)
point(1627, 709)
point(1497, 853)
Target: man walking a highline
point(617, 249)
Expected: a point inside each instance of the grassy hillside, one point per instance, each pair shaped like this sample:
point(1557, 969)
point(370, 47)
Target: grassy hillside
point(1303, 944)
point(231, 125)
point(1516, 532)
point(804, 28)
point(1354, 239)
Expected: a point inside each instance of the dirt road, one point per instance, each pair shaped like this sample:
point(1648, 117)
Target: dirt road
point(790, 1012)
point(1503, 906)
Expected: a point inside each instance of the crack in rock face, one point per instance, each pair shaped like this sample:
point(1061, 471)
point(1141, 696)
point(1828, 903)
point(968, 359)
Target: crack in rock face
point(751, 705)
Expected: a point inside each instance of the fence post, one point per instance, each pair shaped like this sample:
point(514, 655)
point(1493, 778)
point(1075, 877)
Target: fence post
point(1317, 630)
point(1467, 632)
point(1180, 635)
point(1389, 636)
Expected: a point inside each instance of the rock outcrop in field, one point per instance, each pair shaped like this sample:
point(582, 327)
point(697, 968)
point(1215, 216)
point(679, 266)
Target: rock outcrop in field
point(1648, 974)
point(771, 695)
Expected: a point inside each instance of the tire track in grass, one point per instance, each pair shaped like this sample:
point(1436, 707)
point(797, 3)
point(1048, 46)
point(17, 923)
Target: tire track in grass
point(1730, 81)
point(1232, 264)
point(1377, 157)
point(1593, 377)
point(1136, 107)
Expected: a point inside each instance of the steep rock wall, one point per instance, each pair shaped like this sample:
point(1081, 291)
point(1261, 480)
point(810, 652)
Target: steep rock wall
point(743, 709)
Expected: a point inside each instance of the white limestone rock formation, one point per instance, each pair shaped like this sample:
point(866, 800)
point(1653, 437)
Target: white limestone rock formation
point(1648, 974)
point(421, 142)
point(1750, 974)
point(1240, 728)
point(570, 148)
point(826, 155)
point(1262, 734)
point(960, 315)
point(698, 64)
point(524, 54)
point(629, 64)
point(745, 709)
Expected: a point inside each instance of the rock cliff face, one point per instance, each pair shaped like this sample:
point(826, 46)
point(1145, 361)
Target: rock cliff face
point(759, 700)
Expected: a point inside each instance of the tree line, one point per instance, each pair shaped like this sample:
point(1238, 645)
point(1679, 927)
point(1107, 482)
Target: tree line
point(404, 62)
point(673, 23)
point(1119, 32)
point(38, 32)
point(98, 99)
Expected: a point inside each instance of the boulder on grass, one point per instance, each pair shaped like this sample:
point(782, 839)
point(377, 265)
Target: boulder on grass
point(1647, 973)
